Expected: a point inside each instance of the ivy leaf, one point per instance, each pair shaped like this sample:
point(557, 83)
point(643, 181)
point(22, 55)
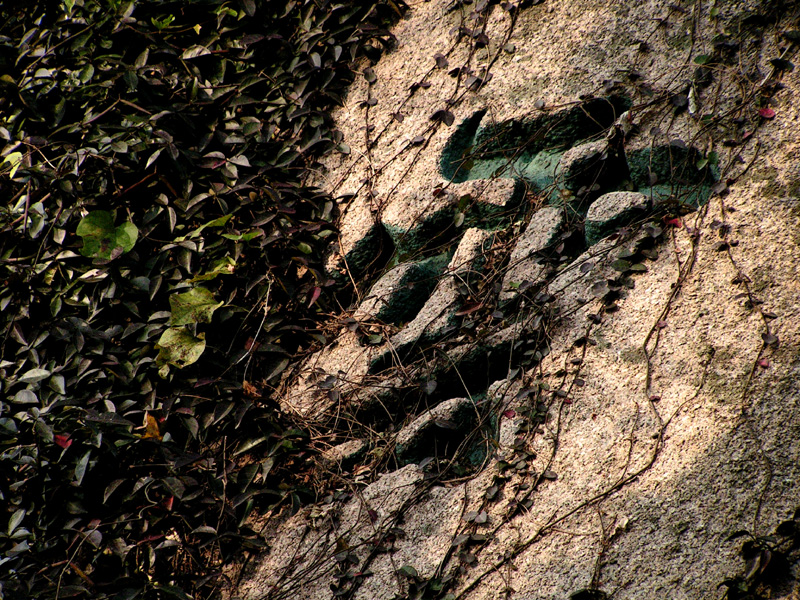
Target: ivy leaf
point(195, 306)
point(443, 116)
point(223, 266)
point(25, 397)
point(153, 157)
point(194, 52)
point(621, 265)
point(15, 520)
point(408, 571)
point(33, 376)
point(468, 309)
point(44, 431)
point(62, 441)
point(178, 347)
point(315, 293)
point(793, 35)
point(80, 468)
point(600, 288)
point(151, 430)
point(770, 339)
point(15, 160)
point(101, 239)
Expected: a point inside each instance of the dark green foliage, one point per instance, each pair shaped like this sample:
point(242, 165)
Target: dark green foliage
point(159, 252)
point(768, 561)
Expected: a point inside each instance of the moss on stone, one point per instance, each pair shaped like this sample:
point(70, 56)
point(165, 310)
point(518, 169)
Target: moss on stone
point(412, 290)
point(458, 148)
point(669, 174)
point(439, 228)
point(368, 252)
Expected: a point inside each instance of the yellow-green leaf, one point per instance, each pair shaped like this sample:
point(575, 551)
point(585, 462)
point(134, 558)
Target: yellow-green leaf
point(195, 306)
point(15, 160)
point(178, 347)
point(101, 239)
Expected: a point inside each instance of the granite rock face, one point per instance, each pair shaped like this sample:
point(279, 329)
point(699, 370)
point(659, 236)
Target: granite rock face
point(401, 292)
point(440, 309)
point(613, 210)
point(436, 432)
point(587, 405)
point(586, 169)
point(524, 267)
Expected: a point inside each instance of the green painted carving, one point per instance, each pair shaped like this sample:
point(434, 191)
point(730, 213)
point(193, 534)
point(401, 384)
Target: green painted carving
point(567, 155)
point(527, 149)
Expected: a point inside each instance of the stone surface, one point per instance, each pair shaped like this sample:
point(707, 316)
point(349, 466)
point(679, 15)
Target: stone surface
point(364, 240)
point(400, 293)
point(335, 370)
point(438, 313)
point(587, 165)
point(655, 420)
point(436, 432)
point(523, 266)
point(427, 218)
point(305, 553)
point(668, 173)
point(611, 211)
point(345, 455)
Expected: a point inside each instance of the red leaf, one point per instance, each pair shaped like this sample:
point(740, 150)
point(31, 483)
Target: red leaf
point(150, 538)
point(510, 414)
point(314, 295)
point(763, 363)
point(168, 502)
point(62, 441)
point(469, 309)
point(766, 113)
point(674, 222)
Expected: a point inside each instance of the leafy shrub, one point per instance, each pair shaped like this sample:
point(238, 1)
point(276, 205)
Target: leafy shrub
point(159, 256)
